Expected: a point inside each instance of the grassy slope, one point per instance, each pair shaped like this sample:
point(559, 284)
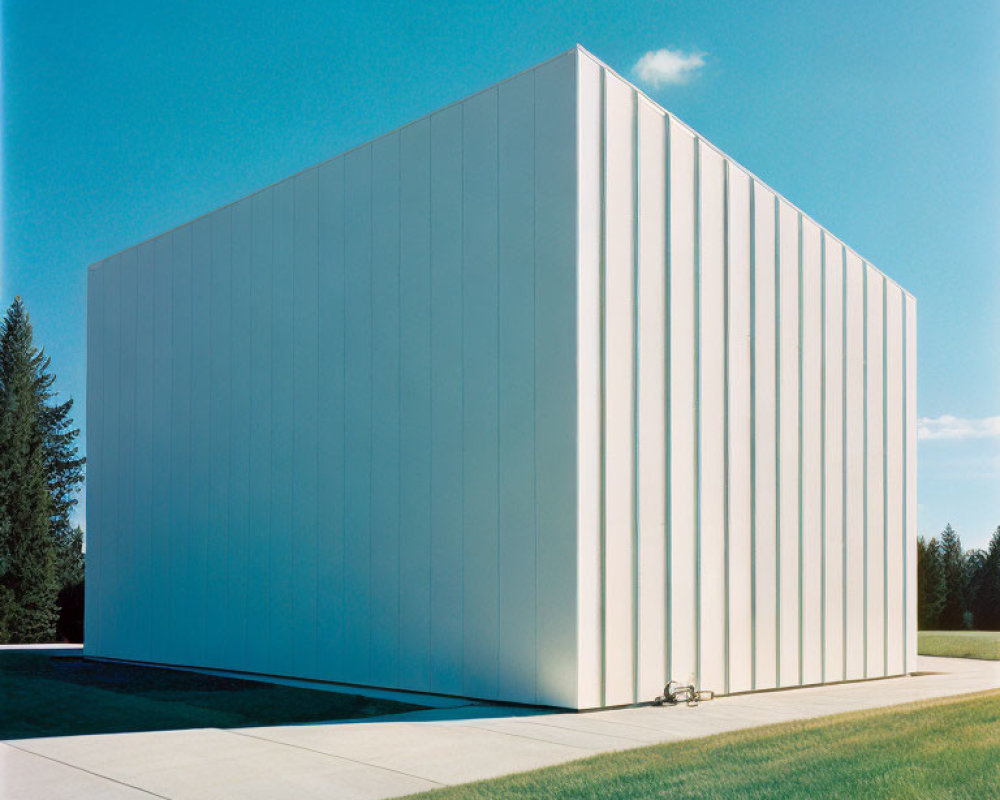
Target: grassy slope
point(941, 749)
point(45, 696)
point(960, 644)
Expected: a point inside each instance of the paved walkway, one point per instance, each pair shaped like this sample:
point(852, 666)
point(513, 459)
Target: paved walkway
point(398, 755)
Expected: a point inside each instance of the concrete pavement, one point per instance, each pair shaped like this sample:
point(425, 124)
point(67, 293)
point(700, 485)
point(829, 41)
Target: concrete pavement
point(398, 755)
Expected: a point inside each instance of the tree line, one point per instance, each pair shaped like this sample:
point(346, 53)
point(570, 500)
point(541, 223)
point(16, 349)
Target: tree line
point(41, 552)
point(956, 589)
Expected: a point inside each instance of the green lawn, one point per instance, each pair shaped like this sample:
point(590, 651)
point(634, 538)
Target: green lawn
point(46, 695)
point(960, 644)
point(935, 749)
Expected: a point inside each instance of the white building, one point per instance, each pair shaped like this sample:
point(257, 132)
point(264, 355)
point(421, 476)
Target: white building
point(539, 398)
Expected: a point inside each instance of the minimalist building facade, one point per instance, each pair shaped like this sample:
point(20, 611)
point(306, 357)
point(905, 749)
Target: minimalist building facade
point(540, 398)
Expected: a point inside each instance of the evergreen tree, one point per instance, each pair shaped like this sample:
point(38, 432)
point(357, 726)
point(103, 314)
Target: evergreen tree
point(69, 575)
point(986, 598)
point(28, 598)
point(40, 471)
point(954, 578)
point(930, 584)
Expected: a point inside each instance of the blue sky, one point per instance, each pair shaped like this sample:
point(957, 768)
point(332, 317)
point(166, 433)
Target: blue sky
point(880, 120)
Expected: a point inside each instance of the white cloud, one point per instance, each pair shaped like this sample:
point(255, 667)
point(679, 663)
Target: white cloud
point(948, 427)
point(667, 66)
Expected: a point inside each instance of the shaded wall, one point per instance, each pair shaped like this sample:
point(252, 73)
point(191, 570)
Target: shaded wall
point(328, 430)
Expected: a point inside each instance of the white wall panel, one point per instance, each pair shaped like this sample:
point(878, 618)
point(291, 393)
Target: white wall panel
point(515, 312)
point(479, 404)
point(191, 621)
point(160, 512)
point(220, 384)
point(357, 411)
point(111, 595)
point(386, 521)
point(281, 577)
point(415, 405)
point(893, 431)
point(619, 391)
point(590, 426)
point(651, 403)
point(96, 317)
point(258, 642)
point(555, 232)
point(146, 468)
point(181, 579)
point(711, 544)
point(236, 586)
point(305, 367)
point(682, 650)
point(739, 445)
point(789, 594)
point(811, 457)
point(854, 468)
point(446, 401)
point(127, 535)
point(833, 459)
point(910, 480)
point(765, 464)
point(874, 501)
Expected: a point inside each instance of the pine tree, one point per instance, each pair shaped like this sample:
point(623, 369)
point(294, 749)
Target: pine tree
point(986, 600)
point(930, 584)
point(38, 473)
point(954, 577)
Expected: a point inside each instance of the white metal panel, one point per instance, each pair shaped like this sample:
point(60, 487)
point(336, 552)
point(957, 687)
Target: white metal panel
point(111, 596)
point(305, 366)
point(833, 460)
point(220, 360)
point(854, 468)
point(159, 588)
point(282, 576)
point(180, 424)
point(446, 401)
point(874, 529)
point(258, 643)
point(555, 370)
point(236, 588)
point(619, 388)
point(651, 403)
point(683, 412)
point(590, 122)
point(711, 546)
point(198, 531)
point(127, 617)
point(385, 532)
point(811, 470)
point(894, 562)
point(415, 406)
point(910, 481)
point(516, 347)
point(739, 445)
point(146, 469)
point(765, 463)
point(789, 596)
point(357, 413)
point(96, 316)
point(479, 404)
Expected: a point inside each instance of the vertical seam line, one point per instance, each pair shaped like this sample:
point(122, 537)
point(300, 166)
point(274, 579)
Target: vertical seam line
point(753, 432)
point(697, 407)
point(725, 421)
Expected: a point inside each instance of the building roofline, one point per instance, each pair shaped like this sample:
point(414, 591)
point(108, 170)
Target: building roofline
point(585, 52)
